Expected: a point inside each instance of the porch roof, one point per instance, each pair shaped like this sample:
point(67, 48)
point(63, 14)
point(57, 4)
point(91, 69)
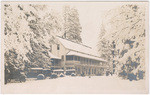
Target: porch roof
point(58, 70)
point(53, 56)
point(70, 70)
point(85, 56)
point(36, 68)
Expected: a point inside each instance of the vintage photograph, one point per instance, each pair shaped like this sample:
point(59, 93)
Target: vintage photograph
point(74, 47)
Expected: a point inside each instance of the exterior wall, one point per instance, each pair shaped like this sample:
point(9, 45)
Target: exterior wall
point(84, 66)
point(59, 53)
point(62, 50)
point(56, 64)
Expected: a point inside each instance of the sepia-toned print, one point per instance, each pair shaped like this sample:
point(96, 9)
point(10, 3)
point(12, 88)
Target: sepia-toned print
point(74, 47)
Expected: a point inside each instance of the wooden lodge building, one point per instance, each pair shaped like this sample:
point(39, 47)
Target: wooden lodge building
point(73, 57)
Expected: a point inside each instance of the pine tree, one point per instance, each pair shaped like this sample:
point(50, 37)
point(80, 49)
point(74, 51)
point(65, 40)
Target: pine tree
point(72, 27)
point(28, 36)
point(125, 31)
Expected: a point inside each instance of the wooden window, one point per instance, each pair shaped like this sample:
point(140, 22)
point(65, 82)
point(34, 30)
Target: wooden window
point(67, 57)
point(71, 57)
point(75, 57)
point(87, 60)
point(58, 47)
point(50, 48)
point(78, 58)
point(62, 58)
point(84, 60)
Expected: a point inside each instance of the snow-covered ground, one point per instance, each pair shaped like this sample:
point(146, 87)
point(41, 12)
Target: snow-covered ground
point(95, 84)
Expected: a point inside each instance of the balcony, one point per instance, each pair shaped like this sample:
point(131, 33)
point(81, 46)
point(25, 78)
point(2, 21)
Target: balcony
point(56, 66)
point(72, 62)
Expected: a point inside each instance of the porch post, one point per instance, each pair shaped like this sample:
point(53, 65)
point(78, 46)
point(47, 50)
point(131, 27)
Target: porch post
point(65, 64)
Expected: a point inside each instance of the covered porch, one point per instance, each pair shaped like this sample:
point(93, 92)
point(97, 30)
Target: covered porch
point(85, 64)
point(55, 62)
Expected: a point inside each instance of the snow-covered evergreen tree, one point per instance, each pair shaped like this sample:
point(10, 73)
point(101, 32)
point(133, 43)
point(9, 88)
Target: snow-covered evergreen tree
point(28, 33)
point(72, 27)
point(125, 31)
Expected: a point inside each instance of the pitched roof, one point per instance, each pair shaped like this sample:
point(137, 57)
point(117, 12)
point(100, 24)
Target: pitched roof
point(80, 49)
point(53, 56)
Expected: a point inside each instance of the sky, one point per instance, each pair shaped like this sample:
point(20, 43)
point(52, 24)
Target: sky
point(91, 16)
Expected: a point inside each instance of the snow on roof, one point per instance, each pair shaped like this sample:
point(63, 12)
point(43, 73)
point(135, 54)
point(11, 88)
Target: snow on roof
point(58, 70)
point(46, 69)
point(77, 47)
point(53, 56)
point(70, 70)
point(36, 68)
point(85, 56)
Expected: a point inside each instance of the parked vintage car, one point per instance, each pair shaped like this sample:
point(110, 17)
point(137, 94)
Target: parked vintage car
point(58, 71)
point(70, 71)
point(53, 76)
point(40, 77)
point(47, 72)
point(73, 74)
point(34, 72)
point(61, 75)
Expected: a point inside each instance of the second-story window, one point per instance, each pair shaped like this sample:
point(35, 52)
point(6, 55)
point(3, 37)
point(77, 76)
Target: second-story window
point(76, 58)
point(62, 58)
point(50, 48)
point(58, 47)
